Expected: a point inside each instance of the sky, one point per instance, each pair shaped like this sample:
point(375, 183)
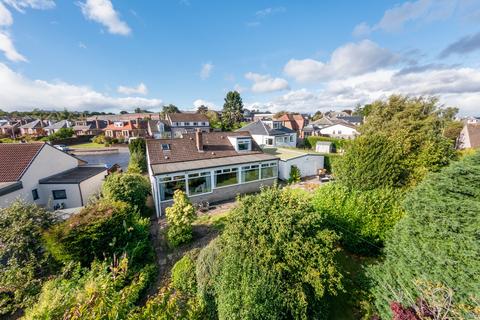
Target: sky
point(300, 56)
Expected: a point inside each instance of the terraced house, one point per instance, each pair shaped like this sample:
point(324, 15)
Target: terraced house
point(208, 167)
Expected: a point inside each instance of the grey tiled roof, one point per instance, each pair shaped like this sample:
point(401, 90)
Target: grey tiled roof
point(260, 128)
point(73, 176)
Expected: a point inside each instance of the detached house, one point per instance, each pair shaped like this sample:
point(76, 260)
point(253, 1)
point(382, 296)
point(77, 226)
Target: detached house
point(41, 174)
point(295, 122)
point(271, 133)
point(181, 123)
point(211, 167)
point(126, 129)
point(34, 128)
point(10, 128)
point(54, 127)
point(89, 128)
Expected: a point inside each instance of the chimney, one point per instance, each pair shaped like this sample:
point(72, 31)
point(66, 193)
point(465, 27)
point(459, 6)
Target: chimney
point(199, 140)
point(136, 122)
point(97, 124)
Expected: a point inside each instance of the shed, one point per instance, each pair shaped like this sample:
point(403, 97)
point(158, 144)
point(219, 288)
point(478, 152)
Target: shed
point(324, 147)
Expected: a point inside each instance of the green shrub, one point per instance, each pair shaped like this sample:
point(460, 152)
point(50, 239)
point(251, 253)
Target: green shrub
point(137, 163)
point(295, 174)
point(183, 274)
point(180, 217)
point(24, 264)
point(436, 243)
point(127, 187)
point(364, 219)
point(138, 154)
point(207, 269)
point(62, 133)
point(277, 259)
point(101, 230)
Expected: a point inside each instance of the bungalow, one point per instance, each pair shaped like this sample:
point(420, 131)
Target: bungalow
point(340, 130)
point(34, 128)
point(271, 133)
point(89, 128)
point(54, 127)
point(10, 128)
point(295, 122)
point(181, 123)
point(126, 129)
point(210, 167)
point(159, 129)
point(41, 174)
point(469, 136)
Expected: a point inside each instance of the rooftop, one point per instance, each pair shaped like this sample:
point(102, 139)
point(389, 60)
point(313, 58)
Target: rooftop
point(73, 176)
point(15, 159)
point(187, 117)
point(474, 134)
point(260, 128)
point(286, 154)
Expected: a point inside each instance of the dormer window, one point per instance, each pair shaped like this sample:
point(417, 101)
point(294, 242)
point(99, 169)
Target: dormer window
point(244, 144)
point(277, 125)
point(118, 124)
point(165, 146)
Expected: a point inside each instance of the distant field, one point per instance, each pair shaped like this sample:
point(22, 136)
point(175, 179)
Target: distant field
point(88, 145)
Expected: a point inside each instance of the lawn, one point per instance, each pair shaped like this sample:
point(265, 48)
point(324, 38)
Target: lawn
point(88, 145)
point(287, 153)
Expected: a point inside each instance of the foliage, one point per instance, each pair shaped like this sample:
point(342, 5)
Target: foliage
point(183, 274)
point(137, 164)
point(295, 174)
point(100, 139)
point(364, 219)
point(232, 114)
point(203, 109)
point(372, 161)
point(138, 156)
point(24, 264)
point(180, 217)
point(171, 108)
point(277, 259)
point(339, 144)
point(103, 292)
point(62, 133)
point(317, 115)
point(436, 242)
point(127, 187)
point(137, 146)
point(207, 269)
point(101, 230)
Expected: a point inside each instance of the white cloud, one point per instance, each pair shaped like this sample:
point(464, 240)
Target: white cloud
point(206, 70)
point(21, 93)
point(395, 18)
point(456, 87)
point(102, 11)
point(20, 5)
point(140, 89)
point(348, 60)
point(265, 83)
point(5, 16)
point(200, 102)
point(269, 11)
point(6, 45)
point(82, 45)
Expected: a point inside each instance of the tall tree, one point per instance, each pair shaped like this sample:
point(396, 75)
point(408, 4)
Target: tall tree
point(203, 109)
point(232, 114)
point(317, 115)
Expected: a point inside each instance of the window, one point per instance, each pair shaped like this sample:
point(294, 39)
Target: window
point(204, 124)
point(165, 146)
point(339, 131)
point(125, 133)
point(250, 173)
point(195, 123)
point(291, 138)
point(199, 183)
point(226, 177)
point(59, 194)
point(269, 170)
point(276, 125)
point(168, 185)
point(118, 124)
point(35, 194)
point(243, 144)
point(269, 142)
point(175, 124)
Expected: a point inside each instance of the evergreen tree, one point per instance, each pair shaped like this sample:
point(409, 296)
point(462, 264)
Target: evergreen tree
point(232, 114)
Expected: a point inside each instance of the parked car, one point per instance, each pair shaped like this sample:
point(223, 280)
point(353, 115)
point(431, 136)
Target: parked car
point(62, 147)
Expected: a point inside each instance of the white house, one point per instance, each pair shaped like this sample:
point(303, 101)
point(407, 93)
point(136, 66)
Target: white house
point(271, 133)
point(46, 176)
point(338, 130)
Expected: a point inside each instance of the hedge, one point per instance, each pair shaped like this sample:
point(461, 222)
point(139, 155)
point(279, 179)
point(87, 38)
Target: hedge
point(311, 142)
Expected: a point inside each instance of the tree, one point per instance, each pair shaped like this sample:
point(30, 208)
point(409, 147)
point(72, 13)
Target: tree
point(127, 187)
point(202, 109)
point(317, 115)
point(232, 114)
point(123, 112)
point(171, 108)
point(277, 260)
point(295, 174)
point(138, 155)
point(279, 114)
point(436, 242)
point(180, 217)
point(24, 264)
point(214, 119)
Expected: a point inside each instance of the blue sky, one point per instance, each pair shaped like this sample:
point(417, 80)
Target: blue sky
point(295, 55)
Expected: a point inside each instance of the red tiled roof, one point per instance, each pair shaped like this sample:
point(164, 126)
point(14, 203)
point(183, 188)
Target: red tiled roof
point(125, 127)
point(15, 159)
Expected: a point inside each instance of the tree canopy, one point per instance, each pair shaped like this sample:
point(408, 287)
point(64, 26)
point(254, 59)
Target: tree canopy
point(232, 114)
point(436, 243)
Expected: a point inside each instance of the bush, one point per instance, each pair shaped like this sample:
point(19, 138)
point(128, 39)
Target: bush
point(207, 269)
point(101, 230)
point(137, 163)
point(295, 175)
point(62, 133)
point(277, 259)
point(183, 274)
point(127, 187)
point(364, 219)
point(180, 217)
point(24, 264)
point(138, 154)
point(435, 243)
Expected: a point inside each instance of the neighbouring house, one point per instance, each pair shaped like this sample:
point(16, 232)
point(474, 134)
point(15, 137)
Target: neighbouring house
point(125, 117)
point(340, 130)
point(354, 120)
point(10, 128)
point(126, 129)
point(296, 122)
point(41, 174)
point(469, 136)
point(181, 123)
point(308, 163)
point(211, 167)
point(271, 133)
point(159, 129)
point(324, 147)
point(262, 116)
point(472, 120)
point(34, 128)
point(54, 127)
point(89, 128)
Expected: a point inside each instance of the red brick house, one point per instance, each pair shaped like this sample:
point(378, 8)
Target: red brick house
point(294, 122)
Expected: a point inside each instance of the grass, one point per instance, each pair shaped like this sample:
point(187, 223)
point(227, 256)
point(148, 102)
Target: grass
point(286, 153)
point(217, 220)
point(88, 145)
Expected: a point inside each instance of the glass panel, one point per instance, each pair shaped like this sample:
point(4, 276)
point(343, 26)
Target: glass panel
point(250, 175)
point(59, 194)
point(226, 179)
point(199, 185)
point(168, 188)
point(269, 172)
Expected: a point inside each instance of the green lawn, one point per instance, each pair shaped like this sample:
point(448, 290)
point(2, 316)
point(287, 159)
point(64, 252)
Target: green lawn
point(88, 145)
point(216, 220)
